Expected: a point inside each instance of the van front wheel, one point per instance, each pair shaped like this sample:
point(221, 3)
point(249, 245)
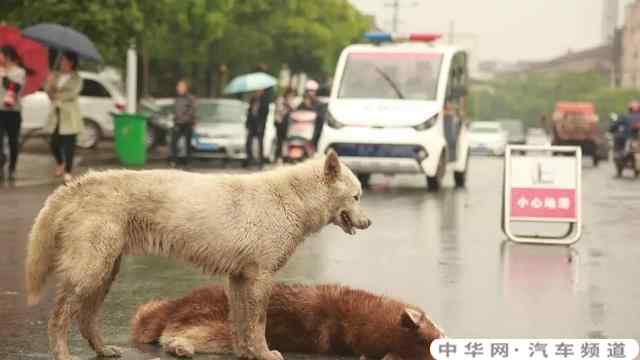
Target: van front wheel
point(435, 182)
point(460, 177)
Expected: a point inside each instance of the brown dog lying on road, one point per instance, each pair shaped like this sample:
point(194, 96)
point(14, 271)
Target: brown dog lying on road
point(323, 319)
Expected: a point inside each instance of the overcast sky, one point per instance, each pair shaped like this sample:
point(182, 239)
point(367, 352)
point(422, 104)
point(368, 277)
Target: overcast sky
point(503, 29)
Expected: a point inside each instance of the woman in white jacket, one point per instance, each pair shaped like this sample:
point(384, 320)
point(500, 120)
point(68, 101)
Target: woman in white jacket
point(65, 118)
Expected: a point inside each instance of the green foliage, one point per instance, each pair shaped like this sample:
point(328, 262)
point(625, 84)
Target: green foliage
point(609, 100)
point(193, 38)
point(529, 96)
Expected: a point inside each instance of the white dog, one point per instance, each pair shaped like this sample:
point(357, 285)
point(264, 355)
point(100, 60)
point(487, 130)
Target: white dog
point(246, 226)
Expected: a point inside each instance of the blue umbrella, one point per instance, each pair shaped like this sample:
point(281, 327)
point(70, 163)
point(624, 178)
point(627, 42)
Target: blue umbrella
point(250, 82)
point(63, 38)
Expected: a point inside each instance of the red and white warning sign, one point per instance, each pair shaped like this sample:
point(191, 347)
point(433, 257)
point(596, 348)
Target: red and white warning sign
point(542, 187)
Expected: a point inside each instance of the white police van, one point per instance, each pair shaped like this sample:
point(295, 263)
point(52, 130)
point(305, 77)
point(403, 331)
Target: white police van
point(396, 108)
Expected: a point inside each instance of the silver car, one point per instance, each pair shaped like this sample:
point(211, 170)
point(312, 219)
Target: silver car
point(220, 131)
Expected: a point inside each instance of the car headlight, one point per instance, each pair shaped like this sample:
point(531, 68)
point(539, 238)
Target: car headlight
point(332, 122)
point(427, 124)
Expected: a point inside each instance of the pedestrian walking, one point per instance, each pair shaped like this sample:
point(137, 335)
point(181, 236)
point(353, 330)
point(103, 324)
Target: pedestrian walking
point(65, 119)
point(184, 121)
point(256, 120)
point(12, 79)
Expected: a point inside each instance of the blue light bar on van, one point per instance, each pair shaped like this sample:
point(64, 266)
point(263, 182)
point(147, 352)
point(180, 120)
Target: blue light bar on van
point(379, 37)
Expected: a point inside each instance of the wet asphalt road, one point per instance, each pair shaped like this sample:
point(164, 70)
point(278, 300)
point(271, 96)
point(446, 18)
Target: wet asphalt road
point(444, 252)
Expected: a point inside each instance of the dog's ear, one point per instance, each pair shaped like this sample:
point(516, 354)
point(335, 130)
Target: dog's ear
point(331, 166)
point(410, 318)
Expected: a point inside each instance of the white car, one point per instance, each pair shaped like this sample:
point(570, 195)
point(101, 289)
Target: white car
point(488, 137)
point(220, 131)
point(538, 137)
point(98, 100)
point(386, 110)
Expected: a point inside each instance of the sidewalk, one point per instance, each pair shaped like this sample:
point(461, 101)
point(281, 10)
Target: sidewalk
point(36, 165)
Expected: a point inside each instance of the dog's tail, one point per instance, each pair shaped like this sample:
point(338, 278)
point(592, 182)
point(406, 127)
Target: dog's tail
point(40, 253)
point(150, 320)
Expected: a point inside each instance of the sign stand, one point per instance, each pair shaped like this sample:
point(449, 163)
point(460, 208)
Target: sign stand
point(543, 186)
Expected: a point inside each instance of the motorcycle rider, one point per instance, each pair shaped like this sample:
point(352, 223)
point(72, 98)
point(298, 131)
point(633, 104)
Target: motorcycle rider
point(624, 130)
point(622, 127)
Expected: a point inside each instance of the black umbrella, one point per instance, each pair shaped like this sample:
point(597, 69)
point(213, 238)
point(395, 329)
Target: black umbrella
point(63, 38)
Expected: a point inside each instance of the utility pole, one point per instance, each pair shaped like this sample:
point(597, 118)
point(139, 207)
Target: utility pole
point(395, 19)
point(396, 10)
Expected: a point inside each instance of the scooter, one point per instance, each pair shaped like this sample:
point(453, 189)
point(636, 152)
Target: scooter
point(298, 141)
point(626, 154)
point(159, 124)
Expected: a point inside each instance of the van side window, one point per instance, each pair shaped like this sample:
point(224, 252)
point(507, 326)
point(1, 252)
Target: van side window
point(93, 88)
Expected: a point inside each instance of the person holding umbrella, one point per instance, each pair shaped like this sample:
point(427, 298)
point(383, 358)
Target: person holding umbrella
point(259, 83)
point(63, 87)
point(65, 119)
point(12, 79)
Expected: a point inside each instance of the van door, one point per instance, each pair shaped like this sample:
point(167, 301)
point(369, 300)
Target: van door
point(454, 102)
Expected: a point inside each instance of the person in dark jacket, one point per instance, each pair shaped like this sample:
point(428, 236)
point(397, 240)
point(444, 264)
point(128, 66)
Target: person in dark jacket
point(257, 114)
point(310, 102)
point(184, 121)
point(12, 79)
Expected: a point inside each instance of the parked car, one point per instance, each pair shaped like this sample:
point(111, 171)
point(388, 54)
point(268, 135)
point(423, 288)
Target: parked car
point(516, 132)
point(98, 100)
point(220, 131)
point(487, 137)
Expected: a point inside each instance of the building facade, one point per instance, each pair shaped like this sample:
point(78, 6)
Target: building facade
point(631, 46)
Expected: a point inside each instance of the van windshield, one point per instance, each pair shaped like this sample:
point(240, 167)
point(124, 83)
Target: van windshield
point(384, 75)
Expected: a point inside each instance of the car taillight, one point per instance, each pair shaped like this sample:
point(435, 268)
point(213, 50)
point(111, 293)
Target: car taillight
point(120, 106)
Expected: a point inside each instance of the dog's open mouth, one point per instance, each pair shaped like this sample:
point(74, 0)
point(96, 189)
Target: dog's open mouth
point(346, 223)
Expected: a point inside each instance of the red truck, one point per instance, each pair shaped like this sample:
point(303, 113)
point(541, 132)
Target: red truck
point(576, 124)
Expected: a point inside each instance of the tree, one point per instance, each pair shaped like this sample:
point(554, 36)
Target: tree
point(528, 96)
point(194, 38)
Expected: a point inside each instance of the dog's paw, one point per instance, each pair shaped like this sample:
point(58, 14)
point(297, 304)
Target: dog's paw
point(110, 351)
point(184, 350)
point(179, 347)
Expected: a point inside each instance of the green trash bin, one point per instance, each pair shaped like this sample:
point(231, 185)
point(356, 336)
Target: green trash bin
point(130, 131)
